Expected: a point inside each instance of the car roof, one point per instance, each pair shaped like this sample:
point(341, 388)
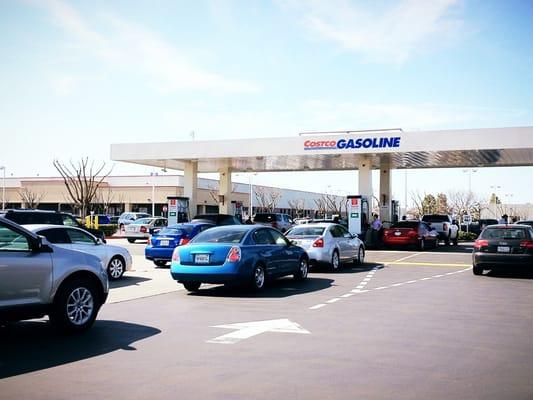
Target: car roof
point(317, 225)
point(38, 227)
point(510, 226)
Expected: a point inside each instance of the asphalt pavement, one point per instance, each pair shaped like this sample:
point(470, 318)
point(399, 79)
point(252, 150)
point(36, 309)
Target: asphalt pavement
point(405, 325)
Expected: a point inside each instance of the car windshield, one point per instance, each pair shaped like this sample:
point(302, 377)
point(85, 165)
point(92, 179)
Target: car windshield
point(306, 231)
point(405, 224)
point(220, 236)
point(504, 233)
point(143, 221)
point(435, 218)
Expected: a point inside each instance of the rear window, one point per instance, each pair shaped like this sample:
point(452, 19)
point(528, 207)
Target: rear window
point(435, 218)
point(265, 217)
point(220, 236)
point(504, 233)
point(306, 231)
point(174, 231)
point(30, 218)
point(405, 224)
point(143, 221)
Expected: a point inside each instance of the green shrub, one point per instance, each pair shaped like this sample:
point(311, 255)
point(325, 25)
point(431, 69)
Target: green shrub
point(468, 236)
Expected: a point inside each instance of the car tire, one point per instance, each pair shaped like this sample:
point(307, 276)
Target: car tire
point(192, 286)
point(160, 263)
point(116, 268)
point(131, 240)
point(335, 261)
point(75, 306)
point(455, 242)
point(258, 277)
point(447, 241)
point(303, 270)
point(360, 256)
point(121, 227)
point(477, 270)
point(421, 245)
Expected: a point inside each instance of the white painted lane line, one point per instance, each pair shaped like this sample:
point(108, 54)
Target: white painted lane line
point(381, 288)
point(410, 281)
point(397, 284)
point(317, 306)
point(366, 280)
point(450, 273)
point(438, 276)
point(334, 300)
point(347, 295)
point(359, 291)
point(425, 279)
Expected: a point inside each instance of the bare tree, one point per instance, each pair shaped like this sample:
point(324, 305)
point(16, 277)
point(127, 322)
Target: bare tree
point(30, 197)
point(82, 181)
point(298, 206)
point(267, 198)
point(320, 204)
point(104, 197)
point(465, 202)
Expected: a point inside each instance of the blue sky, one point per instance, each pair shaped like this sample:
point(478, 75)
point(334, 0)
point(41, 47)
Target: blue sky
point(77, 76)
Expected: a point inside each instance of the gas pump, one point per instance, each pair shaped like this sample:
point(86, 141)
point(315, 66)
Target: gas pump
point(178, 209)
point(236, 209)
point(395, 210)
point(357, 215)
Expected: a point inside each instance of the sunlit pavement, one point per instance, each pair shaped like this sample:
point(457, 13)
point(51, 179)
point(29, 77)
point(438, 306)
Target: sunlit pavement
point(404, 325)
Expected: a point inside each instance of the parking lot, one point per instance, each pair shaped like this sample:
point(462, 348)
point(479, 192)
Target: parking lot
point(404, 325)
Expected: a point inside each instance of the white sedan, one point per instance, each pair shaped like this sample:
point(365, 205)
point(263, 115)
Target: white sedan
point(328, 243)
point(116, 259)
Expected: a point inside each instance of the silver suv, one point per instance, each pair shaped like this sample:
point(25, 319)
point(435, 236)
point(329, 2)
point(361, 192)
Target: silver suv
point(129, 217)
point(282, 222)
point(38, 278)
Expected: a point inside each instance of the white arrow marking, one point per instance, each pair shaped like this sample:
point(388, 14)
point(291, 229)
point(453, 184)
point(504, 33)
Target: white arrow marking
point(246, 330)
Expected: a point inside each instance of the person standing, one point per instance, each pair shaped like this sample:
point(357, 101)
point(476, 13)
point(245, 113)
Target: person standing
point(376, 227)
point(503, 219)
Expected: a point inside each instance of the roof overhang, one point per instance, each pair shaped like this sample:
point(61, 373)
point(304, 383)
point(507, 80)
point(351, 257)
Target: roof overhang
point(492, 147)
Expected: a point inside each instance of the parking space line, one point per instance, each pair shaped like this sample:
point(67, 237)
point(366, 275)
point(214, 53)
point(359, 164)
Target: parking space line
point(429, 264)
point(317, 306)
point(333, 300)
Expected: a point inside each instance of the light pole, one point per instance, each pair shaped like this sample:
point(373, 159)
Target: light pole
point(3, 168)
point(250, 211)
point(469, 170)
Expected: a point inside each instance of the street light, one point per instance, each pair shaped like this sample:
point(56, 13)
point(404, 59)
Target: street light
point(469, 170)
point(152, 174)
point(3, 168)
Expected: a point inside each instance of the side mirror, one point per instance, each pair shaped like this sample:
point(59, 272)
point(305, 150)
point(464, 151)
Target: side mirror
point(99, 241)
point(40, 246)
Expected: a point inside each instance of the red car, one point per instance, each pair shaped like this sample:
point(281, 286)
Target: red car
point(417, 234)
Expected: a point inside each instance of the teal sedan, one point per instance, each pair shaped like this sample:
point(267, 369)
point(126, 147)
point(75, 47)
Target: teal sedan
point(237, 254)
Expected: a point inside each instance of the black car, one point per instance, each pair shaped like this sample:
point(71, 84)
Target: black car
point(526, 222)
point(217, 219)
point(477, 226)
point(503, 246)
point(45, 217)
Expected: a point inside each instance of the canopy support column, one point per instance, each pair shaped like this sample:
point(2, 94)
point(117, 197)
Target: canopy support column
point(190, 186)
point(365, 179)
point(385, 189)
point(224, 190)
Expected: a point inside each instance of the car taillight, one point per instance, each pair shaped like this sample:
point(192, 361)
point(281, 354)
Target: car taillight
point(445, 227)
point(184, 241)
point(412, 233)
point(234, 255)
point(479, 243)
point(528, 244)
point(386, 232)
point(176, 255)
point(143, 229)
point(319, 242)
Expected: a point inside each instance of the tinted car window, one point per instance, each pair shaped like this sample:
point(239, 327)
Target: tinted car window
point(263, 236)
point(79, 237)
point(405, 224)
point(504, 233)
point(143, 221)
point(12, 241)
point(69, 220)
point(54, 235)
point(279, 239)
point(435, 218)
point(220, 236)
point(36, 217)
point(306, 231)
point(264, 217)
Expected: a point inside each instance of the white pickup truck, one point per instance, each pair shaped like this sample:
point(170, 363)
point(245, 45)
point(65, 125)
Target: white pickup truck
point(441, 223)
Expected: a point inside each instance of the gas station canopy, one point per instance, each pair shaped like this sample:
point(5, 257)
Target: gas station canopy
point(492, 147)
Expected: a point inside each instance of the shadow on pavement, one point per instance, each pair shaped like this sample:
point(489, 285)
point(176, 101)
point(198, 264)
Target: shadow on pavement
point(34, 345)
point(127, 281)
point(278, 288)
point(464, 248)
point(346, 268)
point(511, 272)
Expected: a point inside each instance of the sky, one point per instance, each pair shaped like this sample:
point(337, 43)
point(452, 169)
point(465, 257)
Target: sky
point(76, 76)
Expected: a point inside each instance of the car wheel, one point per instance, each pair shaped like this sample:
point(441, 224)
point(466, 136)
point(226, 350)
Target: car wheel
point(116, 268)
point(192, 286)
point(335, 261)
point(131, 240)
point(477, 270)
point(258, 277)
point(360, 256)
point(75, 306)
point(422, 245)
point(160, 263)
point(303, 270)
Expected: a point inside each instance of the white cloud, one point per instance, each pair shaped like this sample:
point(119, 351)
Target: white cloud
point(390, 34)
point(131, 47)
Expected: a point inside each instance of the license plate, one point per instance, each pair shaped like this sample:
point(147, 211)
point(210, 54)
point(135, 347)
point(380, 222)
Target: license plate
point(163, 243)
point(398, 233)
point(201, 258)
point(503, 249)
